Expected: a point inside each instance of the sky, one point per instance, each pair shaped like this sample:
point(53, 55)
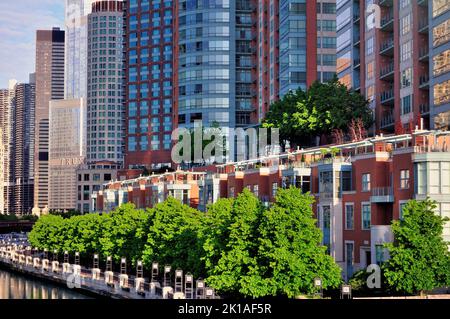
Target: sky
point(18, 24)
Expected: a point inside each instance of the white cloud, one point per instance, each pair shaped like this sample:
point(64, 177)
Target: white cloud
point(18, 24)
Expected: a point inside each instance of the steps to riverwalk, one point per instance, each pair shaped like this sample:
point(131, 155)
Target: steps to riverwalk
point(121, 285)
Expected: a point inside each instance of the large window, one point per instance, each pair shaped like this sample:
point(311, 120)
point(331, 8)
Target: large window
point(404, 178)
point(441, 33)
point(366, 182)
point(405, 24)
point(365, 212)
point(406, 105)
point(349, 216)
point(441, 63)
point(440, 6)
point(406, 51)
point(406, 78)
point(442, 93)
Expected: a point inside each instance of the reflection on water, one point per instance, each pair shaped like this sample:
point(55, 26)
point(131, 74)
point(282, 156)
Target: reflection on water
point(13, 286)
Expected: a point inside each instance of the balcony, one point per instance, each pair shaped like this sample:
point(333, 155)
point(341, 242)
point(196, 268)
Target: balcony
point(424, 82)
point(246, 6)
point(424, 54)
point(424, 109)
point(422, 3)
point(423, 26)
point(387, 47)
point(387, 72)
point(356, 63)
point(382, 195)
point(387, 121)
point(356, 40)
point(387, 21)
point(387, 97)
point(386, 3)
point(356, 17)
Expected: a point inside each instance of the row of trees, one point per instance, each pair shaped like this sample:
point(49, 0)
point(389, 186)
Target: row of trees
point(239, 246)
point(245, 249)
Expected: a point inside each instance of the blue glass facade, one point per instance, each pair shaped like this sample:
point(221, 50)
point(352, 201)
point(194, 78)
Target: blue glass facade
point(292, 45)
point(206, 60)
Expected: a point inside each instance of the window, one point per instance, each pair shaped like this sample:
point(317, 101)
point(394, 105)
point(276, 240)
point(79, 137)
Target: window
point(349, 216)
point(369, 46)
point(406, 51)
point(406, 105)
point(346, 181)
point(256, 190)
point(370, 70)
point(442, 93)
point(441, 33)
point(406, 78)
point(440, 6)
point(405, 24)
point(401, 208)
point(379, 254)
point(231, 192)
point(365, 216)
point(366, 182)
point(404, 179)
point(274, 189)
point(441, 63)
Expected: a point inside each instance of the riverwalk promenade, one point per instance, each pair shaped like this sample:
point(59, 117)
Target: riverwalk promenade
point(117, 285)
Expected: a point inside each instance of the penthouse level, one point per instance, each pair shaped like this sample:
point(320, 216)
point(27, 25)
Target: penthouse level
point(359, 187)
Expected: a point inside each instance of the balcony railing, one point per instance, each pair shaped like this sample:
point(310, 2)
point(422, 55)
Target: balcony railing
point(382, 195)
point(387, 20)
point(424, 53)
point(424, 80)
point(387, 120)
point(424, 108)
point(386, 96)
point(387, 45)
point(438, 148)
point(423, 25)
point(389, 69)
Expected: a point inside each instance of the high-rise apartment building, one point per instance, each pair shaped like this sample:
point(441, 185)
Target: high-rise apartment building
point(17, 120)
point(67, 151)
point(439, 55)
point(76, 12)
point(218, 62)
point(105, 107)
point(49, 86)
point(387, 50)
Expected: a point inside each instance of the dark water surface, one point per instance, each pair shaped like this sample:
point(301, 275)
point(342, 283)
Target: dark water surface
point(16, 286)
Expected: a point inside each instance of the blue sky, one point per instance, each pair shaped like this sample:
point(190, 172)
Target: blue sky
point(19, 21)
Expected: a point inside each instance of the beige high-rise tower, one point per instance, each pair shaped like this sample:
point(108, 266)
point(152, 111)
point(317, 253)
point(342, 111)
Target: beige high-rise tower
point(49, 86)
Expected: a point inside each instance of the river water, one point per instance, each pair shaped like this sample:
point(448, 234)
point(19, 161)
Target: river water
point(15, 286)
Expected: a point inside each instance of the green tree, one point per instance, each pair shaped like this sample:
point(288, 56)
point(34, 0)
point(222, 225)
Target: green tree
point(261, 252)
point(123, 233)
point(238, 262)
point(173, 237)
point(291, 253)
point(419, 257)
point(48, 233)
point(323, 108)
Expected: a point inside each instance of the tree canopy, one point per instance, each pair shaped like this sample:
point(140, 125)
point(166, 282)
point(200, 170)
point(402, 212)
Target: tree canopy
point(239, 246)
point(268, 252)
point(419, 256)
point(323, 108)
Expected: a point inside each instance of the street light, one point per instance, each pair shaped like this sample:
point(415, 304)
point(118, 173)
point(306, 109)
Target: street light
point(346, 291)
point(318, 286)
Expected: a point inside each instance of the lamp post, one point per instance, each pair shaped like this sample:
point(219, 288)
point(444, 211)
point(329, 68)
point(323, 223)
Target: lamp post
point(318, 286)
point(346, 292)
